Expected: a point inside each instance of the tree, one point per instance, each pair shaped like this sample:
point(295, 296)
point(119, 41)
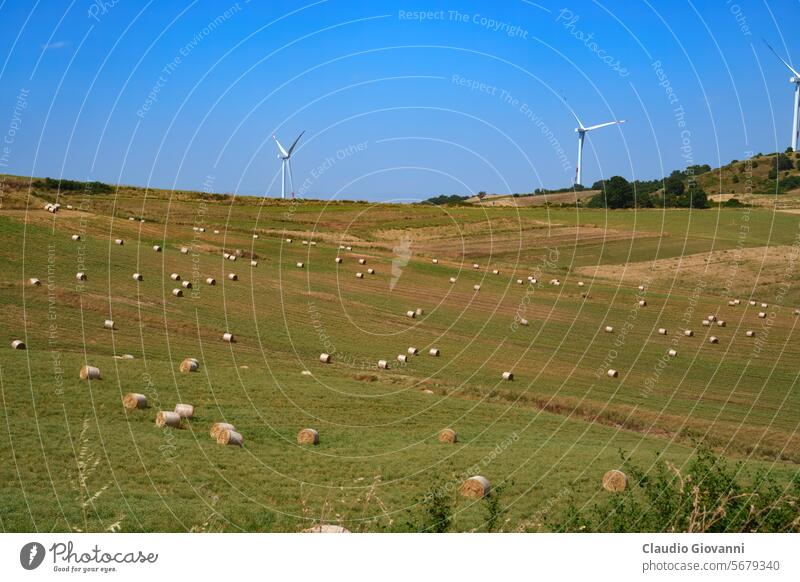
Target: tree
point(783, 162)
point(617, 193)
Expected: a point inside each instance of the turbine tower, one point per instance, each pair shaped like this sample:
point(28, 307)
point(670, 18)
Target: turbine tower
point(795, 79)
point(286, 163)
point(581, 131)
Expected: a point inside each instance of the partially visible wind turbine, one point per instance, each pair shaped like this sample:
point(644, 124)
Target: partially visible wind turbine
point(796, 81)
point(581, 131)
point(286, 163)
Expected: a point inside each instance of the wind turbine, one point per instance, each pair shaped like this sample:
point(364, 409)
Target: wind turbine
point(286, 163)
point(796, 80)
point(581, 131)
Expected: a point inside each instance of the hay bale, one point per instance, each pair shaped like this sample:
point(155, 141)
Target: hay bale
point(124, 357)
point(18, 345)
point(523, 321)
point(662, 331)
point(476, 287)
point(706, 323)
point(615, 481)
point(308, 436)
point(216, 231)
point(186, 284)
point(721, 323)
point(338, 260)
point(476, 487)
point(305, 373)
point(134, 401)
point(184, 250)
point(90, 373)
point(641, 287)
point(34, 282)
point(288, 240)
point(736, 301)
point(300, 264)
point(371, 271)
point(230, 437)
point(764, 305)
point(167, 418)
point(362, 261)
point(731, 303)
point(426, 391)
point(402, 358)
point(448, 435)
point(76, 237)
point(412, 351)
point(211, 281)
point(383, 365)
point(255, 236)
point(218, 427)
point(520, 281)
point(752, 302)
point(325, 358)
point(189, 365)
point(232, 257)
point(184, 410)
point(419, 312)
point(580, 283)
point(233, 276)
point(108, 324)
point(119, 241)
point(712, 318)
point(177, 292)
point(750, 333)
point(411, 313)
point(612, 373)
point(202, 229)
point(762, 314)
point(495, 271)
point(435, 261)
point(452, 279)
point(672, 353)
point(253, 263)
point(533, 280)
point(226, 255)
point(642, 303)
point(609, 329)
point(157, 248)
point(508, 376)
point(434, 352)
point(713, 340)
point(81, 276)
point(137, 277)
point(175, 277)
point(476, 266)
point(359, 275)
point(688, 332)
point(228, 337)
point(305, 242)
point(348, 248)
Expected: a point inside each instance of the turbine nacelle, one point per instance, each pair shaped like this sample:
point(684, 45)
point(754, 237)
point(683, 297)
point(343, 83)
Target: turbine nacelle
point(285, 156)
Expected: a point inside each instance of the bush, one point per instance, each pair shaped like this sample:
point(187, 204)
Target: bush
point(434, 512)
point(707, 495)
point(783, 162)
point(72, 186)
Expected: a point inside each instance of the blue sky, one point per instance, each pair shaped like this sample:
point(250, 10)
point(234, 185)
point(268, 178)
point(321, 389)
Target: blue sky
point(397, 105)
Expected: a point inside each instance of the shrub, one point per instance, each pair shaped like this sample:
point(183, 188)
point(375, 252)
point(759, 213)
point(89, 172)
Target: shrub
point(434, 512)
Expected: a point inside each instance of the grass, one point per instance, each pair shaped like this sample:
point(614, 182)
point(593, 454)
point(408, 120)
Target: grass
point(564, 418)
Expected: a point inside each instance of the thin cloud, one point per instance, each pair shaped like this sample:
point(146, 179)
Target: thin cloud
point(59, 44)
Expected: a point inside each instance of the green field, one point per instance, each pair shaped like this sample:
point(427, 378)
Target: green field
point(73, 459)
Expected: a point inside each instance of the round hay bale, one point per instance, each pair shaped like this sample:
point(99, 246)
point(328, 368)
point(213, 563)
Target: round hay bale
point(308, 436)
point(186, 284)
point(615, 481)
point(119, 241)
point(523, 321)
point(383, 364)
point(731, 303)
point(185, 410)
point(688, 333)
point(508, 376)
point(305, 242)
point(338, 260)
point(412, 351)
point(69, 206)
point(134, 401)
point(402, 358)
point(427, 391)
point(764, 305)
point(232, 257)
point(750, 333)
point(520, 281)
point(90, 373)
point(233, 276)
point(371, 271)
point(476, 266)
point(495, 271)
point(641, 287)
point(124, 357)
point(612, 373)
point(348, 248)
point(712, 318)
point(359, 275)
point(609, 329)
point(288, 240)
point(362, 261)
point(189, 365)
point(326, 528)
point(177, 292)
point(642, 303)
point(410, 313)
point(255, 236)
point(300, 264)
point(228, 337)
point(253, 263)
point(721, 323)
point(137, 277)
point(216, 231)
point(305, 373)
point(752, 302)
point(325, 358)
point(230, 437)
point(108, 324)
point(580, 283)
point(662, 331)
point(18, 345)
point(226, 255)
point(476, 487)
point(762, 314)
point(434, 352)
point(80, 276)
point(713, 340)
point(211, 281)
point(448, 435)
point(167, 418)
point(218, 427)
point(672, 353)
point(476, 287)
point(202, 229)
point(184, 250)
point(533, 280)
point(452, 279)
point(419, 312)
point(157, 248)
point(34, 282)
point(76, 237)
point(736, 301)
point(175, 277)
point(706, 323)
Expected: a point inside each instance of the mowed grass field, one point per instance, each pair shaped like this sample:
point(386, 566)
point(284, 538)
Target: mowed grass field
point(74, 459)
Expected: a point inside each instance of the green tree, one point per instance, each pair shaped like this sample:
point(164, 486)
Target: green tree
point(617, 193)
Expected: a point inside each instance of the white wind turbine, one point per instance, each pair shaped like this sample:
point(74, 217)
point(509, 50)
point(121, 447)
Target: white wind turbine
point(581, 131)
point(286, 163)
point(796, 81)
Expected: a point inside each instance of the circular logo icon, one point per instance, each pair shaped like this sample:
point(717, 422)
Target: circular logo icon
point(31, 555)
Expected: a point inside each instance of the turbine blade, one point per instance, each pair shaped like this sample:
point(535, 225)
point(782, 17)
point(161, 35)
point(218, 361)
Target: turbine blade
point(788, 66)
point(575, 115)
point(291, 149)
point(280, 147)
point(616, 122)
